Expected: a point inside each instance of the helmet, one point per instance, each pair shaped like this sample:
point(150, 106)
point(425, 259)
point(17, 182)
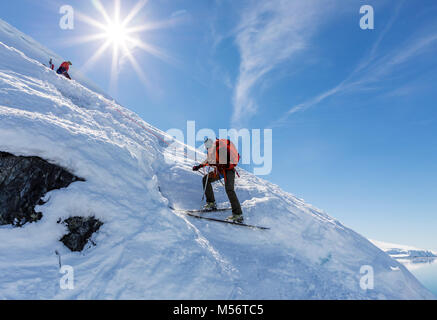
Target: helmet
point(208, 143)
point(69, 62)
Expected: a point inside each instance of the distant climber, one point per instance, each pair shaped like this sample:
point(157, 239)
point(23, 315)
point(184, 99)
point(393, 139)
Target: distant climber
point(51, 65)
point(63, 69)
point(223, 157)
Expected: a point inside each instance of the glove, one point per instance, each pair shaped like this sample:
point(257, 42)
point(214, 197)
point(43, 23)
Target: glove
point(196, 168)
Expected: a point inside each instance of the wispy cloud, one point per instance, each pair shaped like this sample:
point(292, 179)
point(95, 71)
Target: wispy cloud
point(270, 33)
point(373, 52)
point(375, 68)
point(309, 103)
point(179, 13)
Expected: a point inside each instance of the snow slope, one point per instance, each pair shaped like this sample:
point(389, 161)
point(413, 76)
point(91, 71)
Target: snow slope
point(145, 250)
point(32, 49)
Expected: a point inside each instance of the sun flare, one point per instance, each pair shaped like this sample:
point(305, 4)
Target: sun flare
point(123, 38)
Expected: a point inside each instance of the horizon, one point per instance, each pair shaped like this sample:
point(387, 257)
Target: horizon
point(352, 111)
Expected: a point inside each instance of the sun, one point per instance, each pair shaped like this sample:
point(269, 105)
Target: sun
point(122, 37)
point(117, 34)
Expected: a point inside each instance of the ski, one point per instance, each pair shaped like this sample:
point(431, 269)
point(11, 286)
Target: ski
point(191, 213)
point(201, 210)
point(226, 221)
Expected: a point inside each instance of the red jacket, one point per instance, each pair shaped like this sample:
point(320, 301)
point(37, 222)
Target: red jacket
point(66, 66)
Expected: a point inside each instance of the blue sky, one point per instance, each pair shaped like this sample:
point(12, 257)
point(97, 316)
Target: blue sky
point(353, 111)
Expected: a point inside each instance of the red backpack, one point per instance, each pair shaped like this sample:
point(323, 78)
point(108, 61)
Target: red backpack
point(227, 156)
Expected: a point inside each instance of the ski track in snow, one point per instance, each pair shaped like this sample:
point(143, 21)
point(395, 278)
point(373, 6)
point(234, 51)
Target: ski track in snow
point(145, 250)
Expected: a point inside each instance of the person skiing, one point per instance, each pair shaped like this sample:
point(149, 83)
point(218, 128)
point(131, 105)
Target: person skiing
point(51, 65)
point(223, 157)
point(63, 69)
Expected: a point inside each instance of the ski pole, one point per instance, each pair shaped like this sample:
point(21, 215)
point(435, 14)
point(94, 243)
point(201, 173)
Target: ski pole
point(204, 188)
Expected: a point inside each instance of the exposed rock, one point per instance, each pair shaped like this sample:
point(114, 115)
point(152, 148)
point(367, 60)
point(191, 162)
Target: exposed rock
point(81, 229)
point(24, 181)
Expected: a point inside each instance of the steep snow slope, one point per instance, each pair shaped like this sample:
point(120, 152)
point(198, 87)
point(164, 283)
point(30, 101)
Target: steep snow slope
point(32, 49)
point(145, 250)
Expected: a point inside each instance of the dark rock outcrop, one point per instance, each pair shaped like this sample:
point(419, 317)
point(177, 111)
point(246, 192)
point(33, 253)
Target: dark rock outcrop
point(23, 182)
point(81, 229)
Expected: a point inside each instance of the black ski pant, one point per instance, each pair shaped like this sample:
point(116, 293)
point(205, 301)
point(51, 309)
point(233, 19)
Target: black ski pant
point(229, 187)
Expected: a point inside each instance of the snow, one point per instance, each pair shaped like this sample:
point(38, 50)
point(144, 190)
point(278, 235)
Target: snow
point(144, 250)
point(32, 49)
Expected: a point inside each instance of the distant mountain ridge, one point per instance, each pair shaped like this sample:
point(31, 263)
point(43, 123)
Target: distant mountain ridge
point(398, 251)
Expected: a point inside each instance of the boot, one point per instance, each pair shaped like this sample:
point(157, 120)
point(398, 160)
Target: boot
point(210, 206)
point(238, 218)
